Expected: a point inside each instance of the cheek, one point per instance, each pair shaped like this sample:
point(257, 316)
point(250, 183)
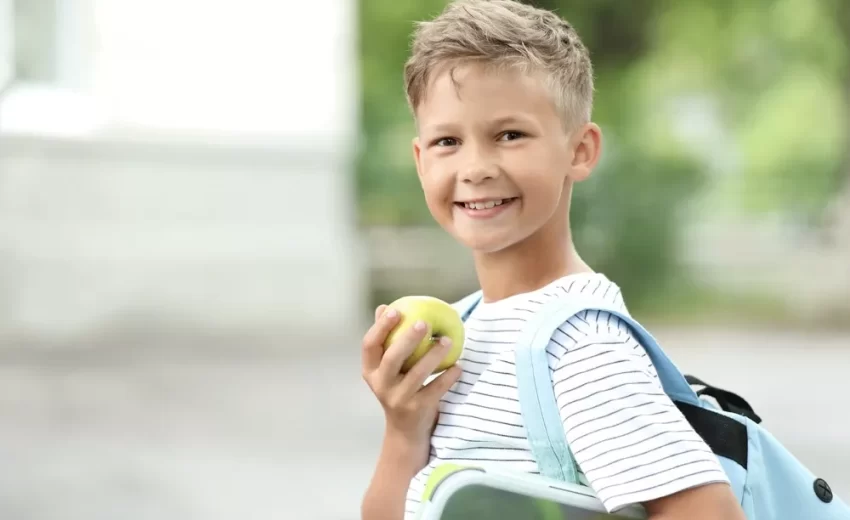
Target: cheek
point(438, 196)
point(545, 197)
point(542, 194)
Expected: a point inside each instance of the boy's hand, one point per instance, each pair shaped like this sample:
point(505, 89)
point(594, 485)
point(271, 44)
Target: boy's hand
point(410, 408)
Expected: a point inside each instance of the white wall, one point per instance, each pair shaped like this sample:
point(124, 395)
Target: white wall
point(191, 167)
point(6, 43)
point(100, 235)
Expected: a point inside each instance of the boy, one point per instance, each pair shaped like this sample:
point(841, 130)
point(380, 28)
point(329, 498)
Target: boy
point(501, 93)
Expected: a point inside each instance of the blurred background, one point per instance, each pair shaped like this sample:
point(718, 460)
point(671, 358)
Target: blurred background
point(202, 202)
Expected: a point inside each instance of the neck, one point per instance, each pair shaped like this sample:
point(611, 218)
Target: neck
point(531, 264)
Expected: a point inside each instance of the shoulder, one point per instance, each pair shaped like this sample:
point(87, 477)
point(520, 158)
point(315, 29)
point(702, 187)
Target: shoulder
point(595, 324)
point(597, 339)
point(598, 321)
point(602, 292)
point(596, 291)
point(593, 289)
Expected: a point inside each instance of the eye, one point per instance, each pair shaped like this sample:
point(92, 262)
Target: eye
point(443, 142)
point(511, 135)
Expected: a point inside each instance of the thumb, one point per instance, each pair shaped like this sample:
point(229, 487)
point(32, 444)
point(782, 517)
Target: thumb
point(442, 383)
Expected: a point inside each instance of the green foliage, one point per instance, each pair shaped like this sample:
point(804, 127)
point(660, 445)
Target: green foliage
point(626, 217)
point(389, 191)
point(776, 73)
point(744, 102)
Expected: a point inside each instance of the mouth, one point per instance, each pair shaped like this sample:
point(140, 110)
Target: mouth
point(480, 205)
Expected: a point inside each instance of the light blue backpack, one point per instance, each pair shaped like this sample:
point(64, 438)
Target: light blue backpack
point(769, 482)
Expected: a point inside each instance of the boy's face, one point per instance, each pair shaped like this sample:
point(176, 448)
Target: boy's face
point(493, 156)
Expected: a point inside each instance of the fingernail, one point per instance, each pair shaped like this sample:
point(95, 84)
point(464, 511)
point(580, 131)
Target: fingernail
point(390, 314)
point(446, 341)
point(419, 326)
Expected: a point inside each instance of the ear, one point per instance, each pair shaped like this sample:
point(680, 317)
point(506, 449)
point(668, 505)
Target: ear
point(417, 155)
point(587, 148)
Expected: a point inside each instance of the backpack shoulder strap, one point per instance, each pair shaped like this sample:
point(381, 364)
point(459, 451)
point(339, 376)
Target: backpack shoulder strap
point(467, 304)
point(537, 402)
point(538, 406)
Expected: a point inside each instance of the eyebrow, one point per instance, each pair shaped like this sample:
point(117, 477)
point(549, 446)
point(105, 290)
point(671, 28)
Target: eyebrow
point(509, 120)
point(442, 128)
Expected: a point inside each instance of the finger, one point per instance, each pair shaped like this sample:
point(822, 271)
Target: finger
point(402, 348)
point(422, 370)
point(437, 388)
point(379, 311)
point(373, 340)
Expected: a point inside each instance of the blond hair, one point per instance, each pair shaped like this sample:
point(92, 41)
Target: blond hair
point(504, 33)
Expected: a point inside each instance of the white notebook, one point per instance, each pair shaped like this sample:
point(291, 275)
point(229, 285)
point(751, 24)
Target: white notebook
point(462, 493)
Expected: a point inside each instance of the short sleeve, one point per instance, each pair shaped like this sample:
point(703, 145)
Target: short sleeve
point(630, 441)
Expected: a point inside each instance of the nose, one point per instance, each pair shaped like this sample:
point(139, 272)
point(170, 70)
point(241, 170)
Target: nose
point(479, 167)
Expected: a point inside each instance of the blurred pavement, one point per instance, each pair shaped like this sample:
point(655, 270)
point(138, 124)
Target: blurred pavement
point(184, 435)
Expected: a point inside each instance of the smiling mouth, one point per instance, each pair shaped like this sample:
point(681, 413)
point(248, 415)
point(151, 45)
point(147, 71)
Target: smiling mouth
point(485, 204)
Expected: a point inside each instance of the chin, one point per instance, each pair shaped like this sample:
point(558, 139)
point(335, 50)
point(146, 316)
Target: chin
point(486, 245)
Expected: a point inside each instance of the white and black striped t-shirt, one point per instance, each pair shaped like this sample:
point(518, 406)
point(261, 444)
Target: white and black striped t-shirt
point(628, 438)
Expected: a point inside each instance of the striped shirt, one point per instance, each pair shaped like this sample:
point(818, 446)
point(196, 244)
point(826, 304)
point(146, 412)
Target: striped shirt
point(628, 438)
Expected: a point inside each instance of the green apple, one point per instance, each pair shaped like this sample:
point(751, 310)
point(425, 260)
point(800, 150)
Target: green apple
point(441, 319)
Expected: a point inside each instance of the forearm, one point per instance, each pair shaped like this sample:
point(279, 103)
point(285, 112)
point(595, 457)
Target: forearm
point(696, 515)
point(398, 463)
point(721, 513)
point(708, 502)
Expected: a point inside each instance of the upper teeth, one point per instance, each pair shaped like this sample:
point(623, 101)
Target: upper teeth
point(484, 205)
